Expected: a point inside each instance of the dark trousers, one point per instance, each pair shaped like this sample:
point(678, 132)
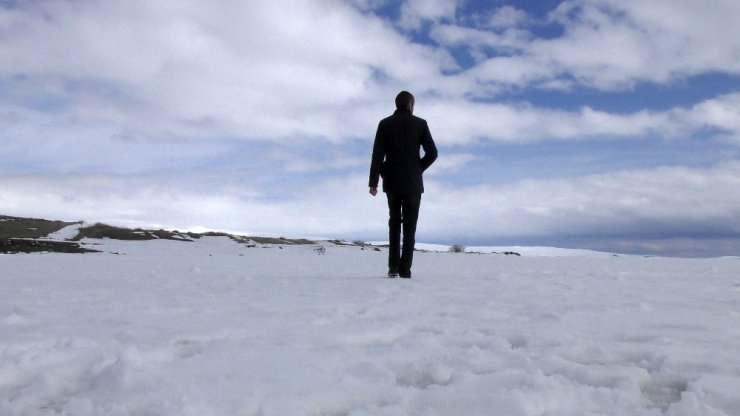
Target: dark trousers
point(404, 212)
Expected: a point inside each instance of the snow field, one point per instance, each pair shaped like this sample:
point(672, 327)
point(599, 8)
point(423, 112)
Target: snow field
point(215, 328)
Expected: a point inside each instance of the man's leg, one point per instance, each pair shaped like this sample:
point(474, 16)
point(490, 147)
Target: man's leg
point(395, 202)
point(411, 204)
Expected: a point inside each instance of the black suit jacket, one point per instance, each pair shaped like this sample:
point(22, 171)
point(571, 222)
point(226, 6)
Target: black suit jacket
point(396, 153)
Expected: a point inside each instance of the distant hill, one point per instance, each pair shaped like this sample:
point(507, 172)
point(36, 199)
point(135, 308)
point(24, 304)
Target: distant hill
point(28, 235)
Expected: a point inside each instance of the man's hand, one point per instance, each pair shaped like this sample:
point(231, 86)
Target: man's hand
point(373, 190)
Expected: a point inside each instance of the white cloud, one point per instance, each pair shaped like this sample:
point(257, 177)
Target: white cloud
point(614, 44)
point(296, 69)
point(369, 5)
point(722, 113)
point(659, 204)
point(507, 17)
point(327, 208)
point(415, 12)
point(502, 30)
point(477, 41)
point(35, 141)
point(525, 123)
point(330, 160)
point(451, 163)
point(256, 69)
point(606, 44)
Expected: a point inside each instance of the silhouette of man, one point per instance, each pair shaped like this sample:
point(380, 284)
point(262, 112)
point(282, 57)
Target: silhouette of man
point(396, 158)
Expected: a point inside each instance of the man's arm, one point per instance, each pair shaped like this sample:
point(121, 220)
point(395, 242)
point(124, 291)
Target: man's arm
point(430, 149)
point(376, 161)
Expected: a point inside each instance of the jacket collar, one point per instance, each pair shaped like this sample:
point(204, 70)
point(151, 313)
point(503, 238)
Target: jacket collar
point(402, 111)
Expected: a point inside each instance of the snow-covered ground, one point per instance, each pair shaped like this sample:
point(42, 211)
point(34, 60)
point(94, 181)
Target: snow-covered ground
point(216, 328)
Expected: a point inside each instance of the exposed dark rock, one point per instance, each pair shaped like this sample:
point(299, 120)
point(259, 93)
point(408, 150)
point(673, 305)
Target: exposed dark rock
point(21, 235)
point(15, 227)
point(118, 233)
point(22, 245)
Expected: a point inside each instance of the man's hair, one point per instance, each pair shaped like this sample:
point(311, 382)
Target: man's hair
point(404, 99)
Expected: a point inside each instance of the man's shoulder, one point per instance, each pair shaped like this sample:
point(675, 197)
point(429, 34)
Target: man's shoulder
point(419, 119)
point(387, 119)
point(400, 116)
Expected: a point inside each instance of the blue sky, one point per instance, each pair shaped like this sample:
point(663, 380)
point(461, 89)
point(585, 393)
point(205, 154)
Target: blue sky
point(604, 124)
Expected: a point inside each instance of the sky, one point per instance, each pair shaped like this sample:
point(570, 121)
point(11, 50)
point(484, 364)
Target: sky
point(605, 124)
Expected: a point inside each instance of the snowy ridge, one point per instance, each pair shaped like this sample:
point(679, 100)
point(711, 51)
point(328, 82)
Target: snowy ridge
point(214, 327)
point(71, 231)
point(522, 250)
point(527, 251)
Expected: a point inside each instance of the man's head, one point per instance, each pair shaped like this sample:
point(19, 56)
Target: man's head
point(405, 101)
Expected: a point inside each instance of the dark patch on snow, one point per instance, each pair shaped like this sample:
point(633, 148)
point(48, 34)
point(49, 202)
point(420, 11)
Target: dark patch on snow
point(25, 235)
point(16, 227)
point(22, 245)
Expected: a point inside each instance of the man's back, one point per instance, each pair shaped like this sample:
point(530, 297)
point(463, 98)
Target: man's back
point(396, 153)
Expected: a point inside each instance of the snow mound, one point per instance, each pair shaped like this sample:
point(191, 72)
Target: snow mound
point(67, 233)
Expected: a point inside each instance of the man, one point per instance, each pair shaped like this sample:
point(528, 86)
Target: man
point(396, 157)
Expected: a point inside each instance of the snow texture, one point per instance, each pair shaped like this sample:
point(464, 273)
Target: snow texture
point(216, 328)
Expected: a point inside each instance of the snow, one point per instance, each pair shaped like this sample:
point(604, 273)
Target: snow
point(524, 251)
point(67, 233)
point(213, 327)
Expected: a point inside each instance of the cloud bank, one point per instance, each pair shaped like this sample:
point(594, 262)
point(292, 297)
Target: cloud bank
point(259, 116)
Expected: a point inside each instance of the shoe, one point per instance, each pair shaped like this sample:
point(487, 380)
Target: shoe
point(405, 275)
point(392, 275)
